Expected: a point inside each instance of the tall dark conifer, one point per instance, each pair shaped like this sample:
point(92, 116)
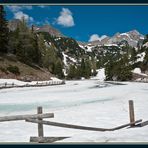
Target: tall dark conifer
point(3, 31)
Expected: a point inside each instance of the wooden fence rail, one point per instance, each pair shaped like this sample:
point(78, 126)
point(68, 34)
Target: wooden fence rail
point(37, 84)
point(24, 117)
point(80, 127)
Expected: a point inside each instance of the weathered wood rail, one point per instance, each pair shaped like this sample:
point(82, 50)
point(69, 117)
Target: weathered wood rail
point(37, 84)
point(24, 117)
point(63, 125)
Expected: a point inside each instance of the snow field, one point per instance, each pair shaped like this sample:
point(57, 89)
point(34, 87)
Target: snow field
point(80, 103)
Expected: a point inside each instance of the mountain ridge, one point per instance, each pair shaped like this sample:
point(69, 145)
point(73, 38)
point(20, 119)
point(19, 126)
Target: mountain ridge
point(117, 54)
point(132, 36)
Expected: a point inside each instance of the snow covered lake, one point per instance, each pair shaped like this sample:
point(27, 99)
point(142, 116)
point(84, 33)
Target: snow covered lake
point(82, 102)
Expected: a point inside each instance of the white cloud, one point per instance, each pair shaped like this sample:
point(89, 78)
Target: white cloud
point(65, 19)
point(20, 15)
point(15, 8)
point(96, 37)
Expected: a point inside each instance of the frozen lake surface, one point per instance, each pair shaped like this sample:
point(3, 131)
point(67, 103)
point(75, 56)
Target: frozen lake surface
point(84, 103)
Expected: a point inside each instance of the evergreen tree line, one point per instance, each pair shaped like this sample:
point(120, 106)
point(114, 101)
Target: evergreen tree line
point(85, 69)
point(30, 48)
point(119, 70)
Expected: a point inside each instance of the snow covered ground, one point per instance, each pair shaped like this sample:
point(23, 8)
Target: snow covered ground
point(77, 102)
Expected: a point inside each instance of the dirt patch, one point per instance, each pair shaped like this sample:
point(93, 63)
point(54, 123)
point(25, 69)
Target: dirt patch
point(27, 73)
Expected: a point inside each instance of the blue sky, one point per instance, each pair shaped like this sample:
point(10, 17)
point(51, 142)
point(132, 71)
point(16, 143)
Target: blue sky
point(81, 22)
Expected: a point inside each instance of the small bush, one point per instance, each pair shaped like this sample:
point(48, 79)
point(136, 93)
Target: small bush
point(13, 69)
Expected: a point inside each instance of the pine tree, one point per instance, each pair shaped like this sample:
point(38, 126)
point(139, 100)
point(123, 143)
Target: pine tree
point(13, 41)
point(72, 72)
point(133, 54)
point(48, 55)
point(58, 70)
point(42, 51)
point(85, 68)
point(23, 42)
point(118, 70)
point(109, 70)
point(27, 48)
point(36, 50)
point(93, 67)
point(3, 31)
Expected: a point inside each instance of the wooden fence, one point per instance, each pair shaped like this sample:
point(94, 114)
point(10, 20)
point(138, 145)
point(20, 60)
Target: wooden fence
point(38, 119)
point(37, 84)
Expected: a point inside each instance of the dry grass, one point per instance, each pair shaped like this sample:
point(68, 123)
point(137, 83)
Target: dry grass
point(26, 72)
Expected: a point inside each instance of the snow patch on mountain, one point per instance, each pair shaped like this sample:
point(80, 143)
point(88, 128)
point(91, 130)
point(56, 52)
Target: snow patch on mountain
point(65, 59)
point(100, 74)
point(138, 71)
point(125, 34)
point(89, 48)
point(110, 45)
point(141, 57)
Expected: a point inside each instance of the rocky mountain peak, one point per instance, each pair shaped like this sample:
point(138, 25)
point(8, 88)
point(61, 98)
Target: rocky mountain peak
point(13, 24)
point(49, 29)
point(134, 32)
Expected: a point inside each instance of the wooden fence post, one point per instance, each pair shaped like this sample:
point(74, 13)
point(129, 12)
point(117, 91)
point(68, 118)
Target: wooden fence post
point(40, 125)
point(131, 112)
